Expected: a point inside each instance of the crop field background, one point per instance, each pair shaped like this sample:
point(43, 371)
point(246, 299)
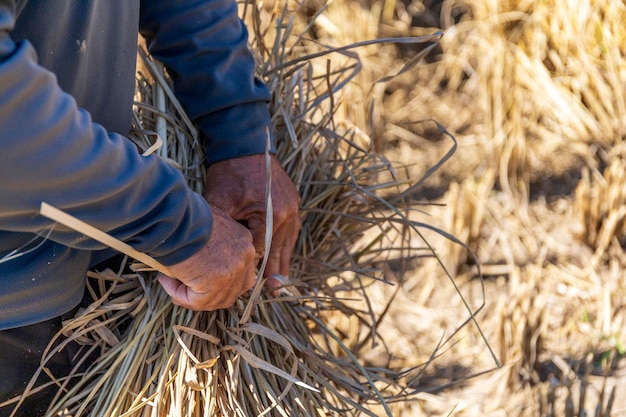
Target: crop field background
point(534, 94)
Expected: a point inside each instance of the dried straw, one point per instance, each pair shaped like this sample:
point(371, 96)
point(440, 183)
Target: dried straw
point(600, 204)
point(264, 355)
point(530, 78)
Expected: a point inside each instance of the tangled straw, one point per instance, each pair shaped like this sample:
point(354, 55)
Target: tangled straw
point(264, 355)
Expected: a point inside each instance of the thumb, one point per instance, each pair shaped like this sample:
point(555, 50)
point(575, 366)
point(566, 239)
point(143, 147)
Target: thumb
point(173, 287)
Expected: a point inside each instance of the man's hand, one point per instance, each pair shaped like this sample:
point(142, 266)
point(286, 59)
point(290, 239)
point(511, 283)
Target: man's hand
point(238, 186)
point(218, 273)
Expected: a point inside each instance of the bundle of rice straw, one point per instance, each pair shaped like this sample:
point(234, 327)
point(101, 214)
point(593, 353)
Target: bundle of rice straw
point(265, 355)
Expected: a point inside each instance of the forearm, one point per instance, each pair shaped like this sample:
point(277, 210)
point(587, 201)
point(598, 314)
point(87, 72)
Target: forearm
point(51, 151)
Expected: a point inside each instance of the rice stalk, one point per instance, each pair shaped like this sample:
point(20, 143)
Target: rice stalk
point(600, 201)
point(523, 324)
point(264, 355)
point(572, 392)
point(465, 217)
point(529, 79)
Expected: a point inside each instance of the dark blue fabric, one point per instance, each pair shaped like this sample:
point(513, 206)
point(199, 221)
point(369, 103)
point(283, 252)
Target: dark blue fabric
point(66, 87)
point(204, 45)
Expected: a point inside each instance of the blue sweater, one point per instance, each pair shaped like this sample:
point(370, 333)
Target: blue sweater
point(66, 89)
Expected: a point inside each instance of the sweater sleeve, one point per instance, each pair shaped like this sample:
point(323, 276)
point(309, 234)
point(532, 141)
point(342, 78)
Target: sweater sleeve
point(52, 151)
point(204, 46)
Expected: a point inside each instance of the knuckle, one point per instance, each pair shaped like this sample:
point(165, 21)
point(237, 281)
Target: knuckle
point(283, 216)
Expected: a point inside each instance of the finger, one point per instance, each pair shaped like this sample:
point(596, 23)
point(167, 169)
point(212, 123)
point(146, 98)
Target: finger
point(248, 282)
point(273, 259)
point(256, 225)
point(275, 286)
point(176, 290)
point(279, 260)
point(251, 279)
point(288, 246)
point(184, 296)
point(283, 243)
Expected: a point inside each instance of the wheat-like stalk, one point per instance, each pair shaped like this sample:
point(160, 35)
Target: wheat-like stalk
point(263, 356)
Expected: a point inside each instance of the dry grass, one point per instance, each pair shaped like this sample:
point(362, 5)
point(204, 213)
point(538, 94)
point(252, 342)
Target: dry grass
point(534, 93)
point(289, 356)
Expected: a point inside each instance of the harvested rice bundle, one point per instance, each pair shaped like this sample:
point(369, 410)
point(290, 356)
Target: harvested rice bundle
point(263, 356)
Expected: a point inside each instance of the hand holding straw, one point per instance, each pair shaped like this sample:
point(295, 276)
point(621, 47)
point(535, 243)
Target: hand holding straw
point(184, 281)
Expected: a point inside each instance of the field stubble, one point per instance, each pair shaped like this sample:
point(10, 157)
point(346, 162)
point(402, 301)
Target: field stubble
point(534, 94)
